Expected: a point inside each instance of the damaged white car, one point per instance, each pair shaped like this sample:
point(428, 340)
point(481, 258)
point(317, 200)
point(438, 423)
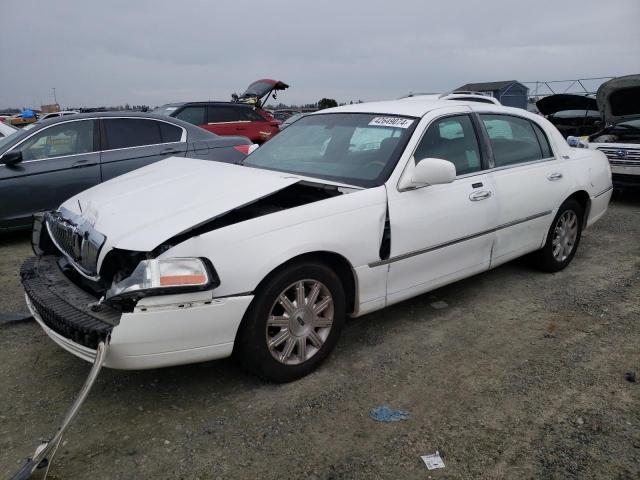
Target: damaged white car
point(345, 212)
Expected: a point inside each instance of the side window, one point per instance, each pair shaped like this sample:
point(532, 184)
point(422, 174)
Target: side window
point(453, 139)
point(131, 132)
point(513, 140)
point(169, 133)
point(223, 113)
point(69, 138)
point(543, 141)
point(194, 114)
point(251, 115)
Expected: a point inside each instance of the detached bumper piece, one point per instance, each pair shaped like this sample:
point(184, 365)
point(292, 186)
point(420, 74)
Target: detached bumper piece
point(43, 455)
point(63, 306)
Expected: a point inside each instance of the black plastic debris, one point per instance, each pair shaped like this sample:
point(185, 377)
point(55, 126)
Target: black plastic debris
point(14, 317)
point(630, 376)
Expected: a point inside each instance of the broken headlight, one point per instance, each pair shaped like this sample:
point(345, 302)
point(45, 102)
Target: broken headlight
point(165, 276)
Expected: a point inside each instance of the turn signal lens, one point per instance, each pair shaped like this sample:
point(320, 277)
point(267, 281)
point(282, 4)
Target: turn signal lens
point(182, 271)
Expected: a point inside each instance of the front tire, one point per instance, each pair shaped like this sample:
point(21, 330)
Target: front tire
point(293, 322)
point(563, 238)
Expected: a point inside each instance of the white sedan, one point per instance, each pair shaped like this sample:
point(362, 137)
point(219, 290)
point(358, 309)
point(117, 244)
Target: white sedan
point(347, 211)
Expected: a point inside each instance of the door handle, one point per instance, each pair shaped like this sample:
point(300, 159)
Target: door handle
point(83, 164)
point(554, 176)
point(479, 195)
point(169, 150)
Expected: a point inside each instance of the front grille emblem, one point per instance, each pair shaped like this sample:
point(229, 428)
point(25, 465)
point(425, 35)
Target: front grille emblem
point(621, 153)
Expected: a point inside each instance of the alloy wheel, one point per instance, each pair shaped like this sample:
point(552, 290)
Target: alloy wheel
point(564, 235)
point(299, 322)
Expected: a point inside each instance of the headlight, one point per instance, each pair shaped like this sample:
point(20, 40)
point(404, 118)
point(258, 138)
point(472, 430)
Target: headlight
point(165, 276)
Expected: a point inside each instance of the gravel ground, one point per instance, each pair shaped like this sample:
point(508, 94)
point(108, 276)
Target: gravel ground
point(518, 374)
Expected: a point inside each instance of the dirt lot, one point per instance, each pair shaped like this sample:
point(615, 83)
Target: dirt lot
point(521, 375)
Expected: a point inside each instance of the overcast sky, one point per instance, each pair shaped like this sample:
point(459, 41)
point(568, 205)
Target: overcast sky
point(154, 52)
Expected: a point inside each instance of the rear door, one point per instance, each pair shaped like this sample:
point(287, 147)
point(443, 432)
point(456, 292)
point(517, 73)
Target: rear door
point(57, 162)
point(227, 120)
point(529, 180)
point(130, 143)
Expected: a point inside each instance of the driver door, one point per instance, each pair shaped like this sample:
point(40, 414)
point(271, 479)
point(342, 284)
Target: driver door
point(441, 233)
point(57, 162)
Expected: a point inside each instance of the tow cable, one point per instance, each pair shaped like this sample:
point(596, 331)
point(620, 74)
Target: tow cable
point(43, 456)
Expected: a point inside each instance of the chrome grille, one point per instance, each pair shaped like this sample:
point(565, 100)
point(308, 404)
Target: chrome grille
point(622, 156)
point(76, 239)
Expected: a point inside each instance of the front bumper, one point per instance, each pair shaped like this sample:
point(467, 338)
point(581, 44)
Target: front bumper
point(187, 328)
point(626, 180)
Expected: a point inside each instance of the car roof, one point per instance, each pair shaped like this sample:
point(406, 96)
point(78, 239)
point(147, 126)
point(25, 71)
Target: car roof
point(411, 107)
point(206, 102)
point(194, 131)
point(418, 107)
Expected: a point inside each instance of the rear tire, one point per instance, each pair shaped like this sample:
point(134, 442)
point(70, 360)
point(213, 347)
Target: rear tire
point(563, 238)
point(293, 323)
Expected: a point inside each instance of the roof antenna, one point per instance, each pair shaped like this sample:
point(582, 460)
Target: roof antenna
point(80, 206)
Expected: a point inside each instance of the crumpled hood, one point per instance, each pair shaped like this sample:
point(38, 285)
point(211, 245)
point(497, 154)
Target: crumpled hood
point(143, 208)
point(619, 99)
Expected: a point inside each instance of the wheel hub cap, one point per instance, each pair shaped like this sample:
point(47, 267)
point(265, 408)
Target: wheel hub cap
point(299, 322)
point(565, 235)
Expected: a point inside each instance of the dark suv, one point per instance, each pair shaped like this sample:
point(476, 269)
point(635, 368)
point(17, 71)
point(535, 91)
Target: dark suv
point(243, 116)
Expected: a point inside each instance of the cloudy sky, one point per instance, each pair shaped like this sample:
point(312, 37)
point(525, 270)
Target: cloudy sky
point(153, 52)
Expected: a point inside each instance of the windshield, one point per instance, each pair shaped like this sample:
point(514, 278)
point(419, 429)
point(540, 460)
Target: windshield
point(354, 148)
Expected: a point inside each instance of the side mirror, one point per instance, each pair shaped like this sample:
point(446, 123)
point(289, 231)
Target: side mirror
point(577, 142)
point(11, 158)
point(428, 171)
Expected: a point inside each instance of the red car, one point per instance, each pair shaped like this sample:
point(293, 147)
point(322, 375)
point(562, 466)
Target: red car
point(242, 116)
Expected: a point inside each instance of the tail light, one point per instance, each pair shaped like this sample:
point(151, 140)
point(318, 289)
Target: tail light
point(246, 149)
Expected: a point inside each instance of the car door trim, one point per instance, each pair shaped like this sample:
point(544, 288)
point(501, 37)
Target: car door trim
point(414, 253)
point(610, 187)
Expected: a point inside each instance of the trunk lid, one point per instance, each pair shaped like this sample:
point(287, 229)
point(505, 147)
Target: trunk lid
point(259, 90)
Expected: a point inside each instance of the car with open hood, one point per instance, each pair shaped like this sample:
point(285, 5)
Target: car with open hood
point(59, 157)
point(572, 114)
point(242, 116)
point(345, 212)
point(619, 104)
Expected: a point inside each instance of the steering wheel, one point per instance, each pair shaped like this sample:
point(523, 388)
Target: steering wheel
point(375, 163)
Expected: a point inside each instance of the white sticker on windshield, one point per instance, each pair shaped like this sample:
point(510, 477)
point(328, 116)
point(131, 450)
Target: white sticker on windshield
point(397, 122)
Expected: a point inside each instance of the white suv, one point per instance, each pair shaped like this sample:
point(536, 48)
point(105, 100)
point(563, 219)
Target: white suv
point(619, 102)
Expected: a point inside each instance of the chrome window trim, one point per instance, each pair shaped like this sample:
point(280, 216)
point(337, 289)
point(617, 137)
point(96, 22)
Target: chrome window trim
point(183, 137)
point(232, 121)
point(404, 256)
point(481, 171)
point(509, 114)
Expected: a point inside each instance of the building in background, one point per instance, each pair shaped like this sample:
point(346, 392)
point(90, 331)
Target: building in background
point(510, 93)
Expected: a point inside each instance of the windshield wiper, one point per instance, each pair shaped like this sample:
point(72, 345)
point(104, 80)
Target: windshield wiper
point(624, 125)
